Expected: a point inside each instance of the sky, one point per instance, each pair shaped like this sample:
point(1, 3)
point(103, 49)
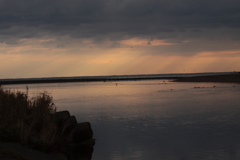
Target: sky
point(42, 38)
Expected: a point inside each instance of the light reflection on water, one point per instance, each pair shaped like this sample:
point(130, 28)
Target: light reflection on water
point(153, 120)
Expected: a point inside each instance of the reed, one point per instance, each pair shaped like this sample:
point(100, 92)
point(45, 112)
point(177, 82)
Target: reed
point(29, 121)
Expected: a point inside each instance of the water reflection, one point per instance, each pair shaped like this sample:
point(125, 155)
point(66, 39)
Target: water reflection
point(147, 120)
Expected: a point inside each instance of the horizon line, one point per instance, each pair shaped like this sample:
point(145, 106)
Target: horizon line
point(122, 75)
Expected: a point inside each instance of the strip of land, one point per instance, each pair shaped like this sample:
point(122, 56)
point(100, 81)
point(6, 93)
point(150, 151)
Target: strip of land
point(229, 78)
point(80, 79)
point(233, 77)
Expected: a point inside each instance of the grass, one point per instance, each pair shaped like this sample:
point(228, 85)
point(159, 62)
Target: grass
point(30, 122)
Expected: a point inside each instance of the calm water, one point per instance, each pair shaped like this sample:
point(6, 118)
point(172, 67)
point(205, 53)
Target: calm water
point(145, 120)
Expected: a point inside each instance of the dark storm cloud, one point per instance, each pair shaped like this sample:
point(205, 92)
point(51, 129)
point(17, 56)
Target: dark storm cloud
point(115, 19)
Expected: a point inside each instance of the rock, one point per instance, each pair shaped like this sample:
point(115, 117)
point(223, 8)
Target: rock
point(62, 115)
point(83, 132)
point(82, 152)
point(63, 118)
point(73, 120)
point(89, 142)
point(59, 155)
point(27, 153)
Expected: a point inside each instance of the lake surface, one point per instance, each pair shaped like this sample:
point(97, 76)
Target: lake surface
point(142, 120)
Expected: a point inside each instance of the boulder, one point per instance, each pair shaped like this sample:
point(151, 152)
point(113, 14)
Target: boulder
point(73, 120)
point(62, 115)
point(71, 123)
point(83, 132)
point(81, 152)
point(27, 153)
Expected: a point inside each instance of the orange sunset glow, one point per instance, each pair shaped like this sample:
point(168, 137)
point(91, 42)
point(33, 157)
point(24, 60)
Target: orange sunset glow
point(116, 40)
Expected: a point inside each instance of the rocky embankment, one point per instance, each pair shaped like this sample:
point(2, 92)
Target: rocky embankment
point(78, 142)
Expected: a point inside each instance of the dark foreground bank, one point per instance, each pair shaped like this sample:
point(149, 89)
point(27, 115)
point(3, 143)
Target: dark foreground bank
point(34, 123)
point(228, 78)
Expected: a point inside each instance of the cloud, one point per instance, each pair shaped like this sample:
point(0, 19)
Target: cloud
point(106, 17)
point(154, 27)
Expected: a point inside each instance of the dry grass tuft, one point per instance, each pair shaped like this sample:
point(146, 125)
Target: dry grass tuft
point(29, 121)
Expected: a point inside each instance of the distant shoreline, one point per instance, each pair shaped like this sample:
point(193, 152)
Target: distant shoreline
point(229, 78)
point(82, 80)
point(233, 77)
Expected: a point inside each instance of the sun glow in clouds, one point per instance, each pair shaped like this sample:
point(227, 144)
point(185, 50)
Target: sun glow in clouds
point(51, 57)
point(115, 61)
point(78, 38)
